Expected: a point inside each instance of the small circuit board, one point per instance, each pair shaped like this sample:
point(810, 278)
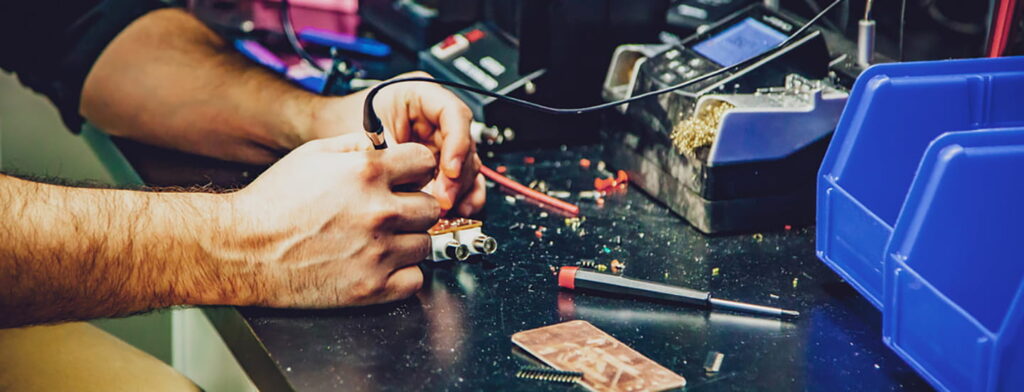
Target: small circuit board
point(607, 364)
point(451, 225)
point(458, 239)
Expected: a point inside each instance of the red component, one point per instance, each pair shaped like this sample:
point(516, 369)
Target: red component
point(567, 277)
point(539, 234)
point(600, 201)
point(448, 42)
point(788, 227)
point(585, 163)
point(474, 35)
point(529, 160)
point(621, 178)
point(602, 184)
point(502, 169)
point(526, 191)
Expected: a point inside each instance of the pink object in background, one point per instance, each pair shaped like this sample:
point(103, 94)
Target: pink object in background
point(344, 6)
point(334, 15)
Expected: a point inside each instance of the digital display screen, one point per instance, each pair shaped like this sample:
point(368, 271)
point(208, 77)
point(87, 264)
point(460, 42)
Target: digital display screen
point(740, 42)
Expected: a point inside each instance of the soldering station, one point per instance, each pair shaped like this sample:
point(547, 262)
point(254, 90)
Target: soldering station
point(843, 171)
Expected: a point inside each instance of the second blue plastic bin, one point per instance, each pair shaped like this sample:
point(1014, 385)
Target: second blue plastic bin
point(920, 209)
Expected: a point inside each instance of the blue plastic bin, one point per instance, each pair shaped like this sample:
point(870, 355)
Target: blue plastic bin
point(921, 209)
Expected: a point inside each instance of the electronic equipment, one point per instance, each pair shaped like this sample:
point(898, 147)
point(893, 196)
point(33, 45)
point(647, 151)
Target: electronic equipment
point(760, 130)
point(417, 24)
point(479, 56)
point(687, 16)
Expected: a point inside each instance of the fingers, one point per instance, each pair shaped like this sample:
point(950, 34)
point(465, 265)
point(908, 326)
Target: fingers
point(474, 200)
point(452, 191)
point(442, 108)
point(417, 212)
point(403, 283)
point(408, 163)
point(406, 249)
point(454, 128)
point(344, 143)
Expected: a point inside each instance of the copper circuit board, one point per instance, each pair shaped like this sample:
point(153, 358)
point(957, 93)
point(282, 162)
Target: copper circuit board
point(607, 364)
point(451, 225)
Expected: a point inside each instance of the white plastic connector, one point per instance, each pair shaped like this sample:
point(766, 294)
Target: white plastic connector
point(477, 242)
point(446, 247)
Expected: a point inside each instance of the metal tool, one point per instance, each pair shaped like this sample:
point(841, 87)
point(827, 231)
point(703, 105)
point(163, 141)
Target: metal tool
point(573, 278)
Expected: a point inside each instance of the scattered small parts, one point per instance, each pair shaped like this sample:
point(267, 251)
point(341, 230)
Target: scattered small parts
point(529, 160)
point(713, 362)
point(788, 227)
point(560, 194)
point(714, 271)
point(587, 263)
point(549, 375)
point(617, 266)
point(758, 237)
point(795, 281)
point(539, 186)
point(525, 191)
point(501, 169)
point(607, 184)
point(458, 239)
point(602, 268)
point(574, 223)
point(585, 163)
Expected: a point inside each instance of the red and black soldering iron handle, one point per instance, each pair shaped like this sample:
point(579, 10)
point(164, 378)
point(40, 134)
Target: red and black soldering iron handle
point(574, 278)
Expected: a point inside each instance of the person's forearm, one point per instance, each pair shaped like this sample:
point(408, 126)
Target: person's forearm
point(73, 253)
point(169, 80)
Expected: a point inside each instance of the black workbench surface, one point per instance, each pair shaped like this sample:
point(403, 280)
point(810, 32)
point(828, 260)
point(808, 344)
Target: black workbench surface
point(455, 334)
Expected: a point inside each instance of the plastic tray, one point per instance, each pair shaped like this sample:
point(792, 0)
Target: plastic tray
point(919, 208)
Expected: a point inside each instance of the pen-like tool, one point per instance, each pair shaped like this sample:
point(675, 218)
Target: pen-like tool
point(574, 278)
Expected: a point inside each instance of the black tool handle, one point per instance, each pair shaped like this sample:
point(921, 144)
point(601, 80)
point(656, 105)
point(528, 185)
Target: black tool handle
point(615, 284)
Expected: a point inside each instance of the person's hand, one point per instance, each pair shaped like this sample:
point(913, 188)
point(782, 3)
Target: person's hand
point(325, 226)
point(430, 114)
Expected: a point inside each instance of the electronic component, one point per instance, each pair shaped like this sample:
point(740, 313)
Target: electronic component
point(458, 239)
point(478, 56)
point(416, 24)
point(607, 364)
point(548, 374)
point(713, 362)
point(685, 17)
point(737, 151)
point(573, 278)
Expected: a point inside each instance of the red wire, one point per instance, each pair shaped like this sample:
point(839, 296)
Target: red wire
point(526, 191)
point(1001, 28)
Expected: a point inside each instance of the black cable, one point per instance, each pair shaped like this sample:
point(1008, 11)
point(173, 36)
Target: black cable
point(372, 124)
point(293, 40)
point(903, 25)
